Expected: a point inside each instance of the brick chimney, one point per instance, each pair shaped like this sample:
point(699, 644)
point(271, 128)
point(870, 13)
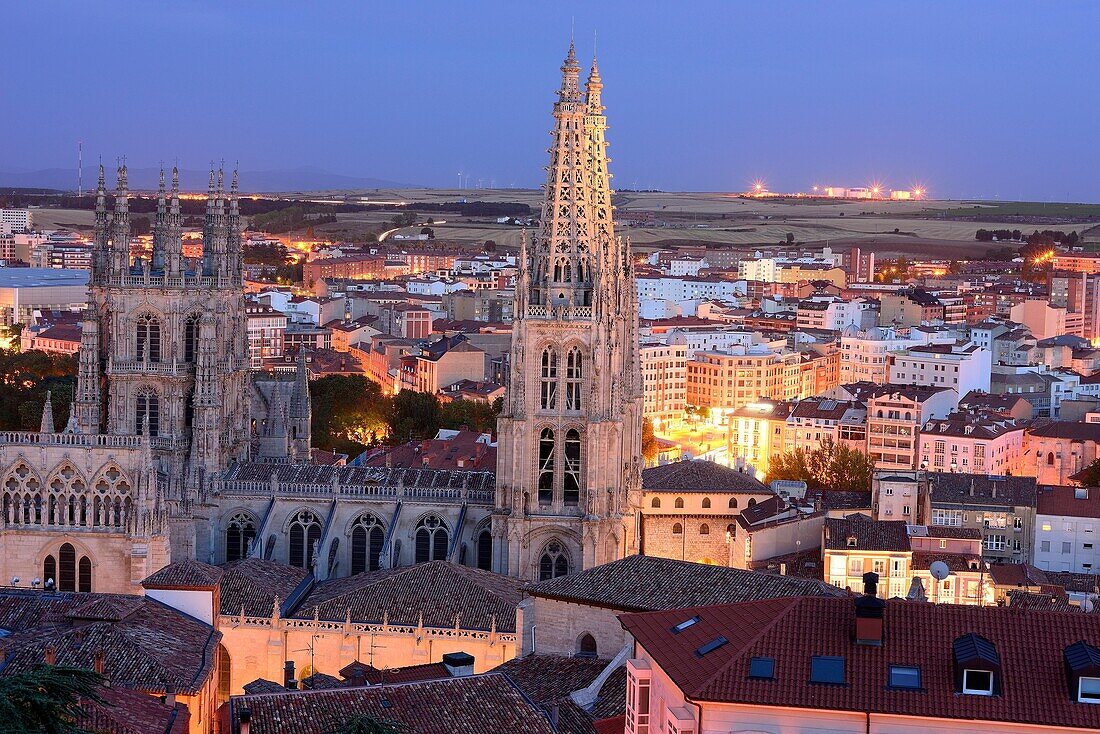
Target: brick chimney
point(100, 659)
point(459, 663)
point(245, 719)
point(288, 676)
point(49, 655)
point(869, 612)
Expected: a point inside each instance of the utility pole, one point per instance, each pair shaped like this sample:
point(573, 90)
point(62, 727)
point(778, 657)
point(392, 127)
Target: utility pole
point(80, 168)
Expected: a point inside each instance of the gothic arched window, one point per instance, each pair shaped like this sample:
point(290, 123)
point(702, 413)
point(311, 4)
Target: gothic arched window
point(706, 503)
point(573, 375)
point(549, 393)
point(85, 574)
point(147, 342)
point(1050, 458)
point(733, 503)
point(367, 537)
point(546, 466)
point(148, 406)
point(553, 562)
point(586, 646)
point(704, 529)
point(432, 539)
point(679, 503)
point(677, 529)
point(305, 531)
point(49, 572)
point(485, 550)
point(190, 338)
point(66, 576)
point(239, 535)
point(572, 486)
point(656, 502)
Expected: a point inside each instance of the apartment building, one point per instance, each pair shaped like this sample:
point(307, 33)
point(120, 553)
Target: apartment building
point(895, 415)
point(266, 333)
point(973, 442)
point(1001, 508)
point(664, 383)
point(962, 366)
point(1067, 523)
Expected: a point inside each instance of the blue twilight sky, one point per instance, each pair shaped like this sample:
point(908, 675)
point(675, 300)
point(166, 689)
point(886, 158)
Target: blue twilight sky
point(994, 99)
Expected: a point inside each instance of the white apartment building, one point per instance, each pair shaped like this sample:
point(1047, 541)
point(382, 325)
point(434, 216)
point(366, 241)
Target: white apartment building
point(962, 367)
point(266, 328)
point(686, 265)
point(1067, 523)
point(719, 339)
point(865, 354)
point(15, 220)
point(664, 383)
point(688, 288)
point(830, 312)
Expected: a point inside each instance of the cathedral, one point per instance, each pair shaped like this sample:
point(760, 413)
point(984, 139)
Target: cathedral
point(175, 449)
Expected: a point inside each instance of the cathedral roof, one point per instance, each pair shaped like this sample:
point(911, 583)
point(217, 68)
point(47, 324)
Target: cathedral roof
point(145, 645)
point(358, 476)
point(437, 594)
point(253, 584)
point(698, 476)
point(186, 573)
point(643, 583)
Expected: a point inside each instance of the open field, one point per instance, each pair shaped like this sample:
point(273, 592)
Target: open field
point(943, 229)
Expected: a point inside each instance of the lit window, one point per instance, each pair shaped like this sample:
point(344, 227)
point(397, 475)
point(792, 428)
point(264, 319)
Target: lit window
point(903, 676)
point(978, 682)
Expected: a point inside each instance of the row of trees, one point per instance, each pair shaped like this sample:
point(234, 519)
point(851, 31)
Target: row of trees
point(350, 414)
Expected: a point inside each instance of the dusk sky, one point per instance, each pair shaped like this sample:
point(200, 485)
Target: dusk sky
point(974, 99)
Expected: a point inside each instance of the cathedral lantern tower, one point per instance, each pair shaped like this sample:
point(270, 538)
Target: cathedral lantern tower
point(569, 456)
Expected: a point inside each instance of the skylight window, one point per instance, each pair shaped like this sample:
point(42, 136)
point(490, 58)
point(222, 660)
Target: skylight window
point(711, 646)
point(827, 669)
point(904, 676)
point(762, 668)
point(684, 625)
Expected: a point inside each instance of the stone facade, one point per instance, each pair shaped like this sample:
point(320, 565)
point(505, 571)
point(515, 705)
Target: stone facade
point(569, 458)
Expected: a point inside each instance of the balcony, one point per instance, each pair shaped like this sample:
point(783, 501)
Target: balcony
point(161, 369)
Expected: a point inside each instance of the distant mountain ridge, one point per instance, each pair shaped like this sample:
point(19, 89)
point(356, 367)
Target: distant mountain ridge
point(305, 178)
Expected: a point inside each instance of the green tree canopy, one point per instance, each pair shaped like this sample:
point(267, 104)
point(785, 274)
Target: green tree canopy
point(366, 724)
point(47, 699)
point(349, 413)
point(650, 448)
point(829, 466)
point(24, 379)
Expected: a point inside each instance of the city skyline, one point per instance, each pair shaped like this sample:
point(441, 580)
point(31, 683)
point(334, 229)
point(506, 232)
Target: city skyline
point(824, 98)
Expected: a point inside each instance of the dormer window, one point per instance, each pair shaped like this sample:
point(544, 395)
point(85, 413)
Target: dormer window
point(1083, 666)
point(852, 542)
point(977, 666)
point(978, 682)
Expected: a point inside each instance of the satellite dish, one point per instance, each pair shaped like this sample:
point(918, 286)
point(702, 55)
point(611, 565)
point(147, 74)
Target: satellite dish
point(939, 570)
point(1088, 605)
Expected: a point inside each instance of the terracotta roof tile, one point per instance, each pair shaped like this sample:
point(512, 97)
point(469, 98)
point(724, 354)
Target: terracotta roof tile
point(440, 591)
point(1030, 645)
point(698, 476)
point(484, 704)
point(152, 648)
point(869, 535)
point(254, 584)
point(187, 572)
point(638, 583)
point(1069, 501)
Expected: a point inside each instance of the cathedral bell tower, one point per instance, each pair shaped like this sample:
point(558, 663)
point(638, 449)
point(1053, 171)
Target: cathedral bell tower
point(569, 456)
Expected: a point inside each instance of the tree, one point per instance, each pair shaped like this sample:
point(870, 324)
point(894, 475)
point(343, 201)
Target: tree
point(428, 231)
point(474, 415)
point(349, 413)
point(416, 415)
point(47, 699)
point(1090, 477)
point(829, 466)
point(650, 448)
point(366, 724)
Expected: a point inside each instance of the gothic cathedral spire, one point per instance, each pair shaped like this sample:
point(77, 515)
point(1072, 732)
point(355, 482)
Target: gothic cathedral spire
point(569, 468)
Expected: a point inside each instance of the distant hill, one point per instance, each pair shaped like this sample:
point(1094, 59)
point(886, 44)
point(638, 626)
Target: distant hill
point(306, 178)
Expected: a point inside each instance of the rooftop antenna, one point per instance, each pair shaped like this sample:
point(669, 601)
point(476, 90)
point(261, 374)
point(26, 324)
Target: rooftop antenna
point(80, 168)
